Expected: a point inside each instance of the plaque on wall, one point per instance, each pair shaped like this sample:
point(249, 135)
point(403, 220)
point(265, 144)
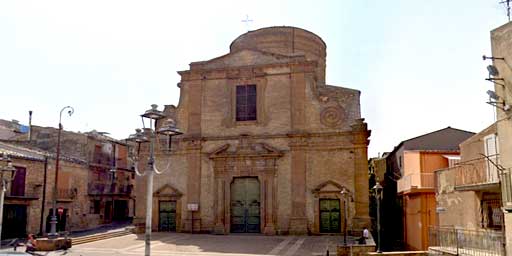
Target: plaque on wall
point(193, 207)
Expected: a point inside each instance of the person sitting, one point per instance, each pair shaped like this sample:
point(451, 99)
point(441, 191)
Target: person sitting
point(366, 234)
point(31, 243)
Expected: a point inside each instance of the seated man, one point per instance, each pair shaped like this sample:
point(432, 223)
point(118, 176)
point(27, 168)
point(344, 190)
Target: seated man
point(31, 243)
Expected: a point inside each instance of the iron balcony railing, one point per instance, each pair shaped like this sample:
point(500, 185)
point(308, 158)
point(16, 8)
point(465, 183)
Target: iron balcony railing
point(108, 188)
point(66, 193)
point(416, 180)
point(31, 190)
point(470, 173)
point(448, 240)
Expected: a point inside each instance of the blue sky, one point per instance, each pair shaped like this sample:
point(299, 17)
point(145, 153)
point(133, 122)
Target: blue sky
point(417, 63)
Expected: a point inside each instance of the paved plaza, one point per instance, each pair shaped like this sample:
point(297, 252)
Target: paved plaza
point(178, 244)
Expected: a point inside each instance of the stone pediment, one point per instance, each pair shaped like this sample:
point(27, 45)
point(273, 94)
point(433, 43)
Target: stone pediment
point(328, 187)
point(168, 190)
point(246, 149)
point(245, 58)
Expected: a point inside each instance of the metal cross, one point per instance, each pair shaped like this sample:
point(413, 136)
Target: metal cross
point(247, 20)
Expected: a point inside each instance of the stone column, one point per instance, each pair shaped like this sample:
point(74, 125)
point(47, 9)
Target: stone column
point(269, 206)
point(298, 221)
point(220, 200)
point(361, 192)
point(193, 147)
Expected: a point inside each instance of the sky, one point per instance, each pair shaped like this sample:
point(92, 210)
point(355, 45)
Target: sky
point(418, 64)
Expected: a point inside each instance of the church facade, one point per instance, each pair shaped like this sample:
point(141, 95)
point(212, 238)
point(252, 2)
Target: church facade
point(268, 146)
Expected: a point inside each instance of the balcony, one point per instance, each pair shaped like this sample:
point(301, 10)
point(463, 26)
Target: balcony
point(416, 181)
point(478, 174)
point(99, 188)
point(66, 194)
point(32, 191)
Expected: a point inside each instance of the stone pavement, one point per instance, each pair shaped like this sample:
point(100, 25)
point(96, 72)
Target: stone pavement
point(180, 244)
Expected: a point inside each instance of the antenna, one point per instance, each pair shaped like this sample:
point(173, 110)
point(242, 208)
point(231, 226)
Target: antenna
point(507, 2)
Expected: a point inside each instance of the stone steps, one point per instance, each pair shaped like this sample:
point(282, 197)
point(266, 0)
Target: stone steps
point(98, 237)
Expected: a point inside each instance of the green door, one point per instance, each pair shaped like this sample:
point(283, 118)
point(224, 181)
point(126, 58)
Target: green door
point(330, 216)
point(245, 205)
point(167, 216)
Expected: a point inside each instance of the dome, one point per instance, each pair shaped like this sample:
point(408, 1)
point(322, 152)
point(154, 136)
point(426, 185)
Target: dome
point(286, 41)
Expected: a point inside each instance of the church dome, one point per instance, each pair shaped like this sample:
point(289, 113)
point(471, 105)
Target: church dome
point(286, 41)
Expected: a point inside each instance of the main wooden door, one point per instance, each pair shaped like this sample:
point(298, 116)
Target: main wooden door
point(15, 221)
point(330, 216)
point(245, 205)
point(167, 216)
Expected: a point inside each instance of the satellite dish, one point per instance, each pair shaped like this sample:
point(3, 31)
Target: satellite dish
point(493, 71)
point(493, 95)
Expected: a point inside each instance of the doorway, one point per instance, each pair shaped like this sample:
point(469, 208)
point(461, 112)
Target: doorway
point(14, 221)
point(245, 205)
point(167, 216)
point(330, 216)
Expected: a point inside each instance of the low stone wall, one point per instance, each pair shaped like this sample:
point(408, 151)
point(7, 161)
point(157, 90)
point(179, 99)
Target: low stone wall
point(355, 249)
point(401, 253)
point(45, 244)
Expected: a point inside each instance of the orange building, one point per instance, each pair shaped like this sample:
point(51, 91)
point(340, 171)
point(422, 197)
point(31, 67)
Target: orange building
point(415, 161)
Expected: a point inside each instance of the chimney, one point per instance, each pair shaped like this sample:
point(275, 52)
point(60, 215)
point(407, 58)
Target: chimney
point(30, 125)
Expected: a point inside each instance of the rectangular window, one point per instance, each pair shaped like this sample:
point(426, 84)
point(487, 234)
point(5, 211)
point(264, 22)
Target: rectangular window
point(94, 207)
point(246, 102)
point(18, 184)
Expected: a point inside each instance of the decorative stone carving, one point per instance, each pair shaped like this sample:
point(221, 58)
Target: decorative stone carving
point(332, 116)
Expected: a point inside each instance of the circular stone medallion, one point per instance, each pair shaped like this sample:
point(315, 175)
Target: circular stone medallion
point(332, 116)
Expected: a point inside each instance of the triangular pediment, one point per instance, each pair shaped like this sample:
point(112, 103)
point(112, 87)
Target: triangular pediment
point(329, 186)
point(245, 58)
point(245, 148)
point(168, 190)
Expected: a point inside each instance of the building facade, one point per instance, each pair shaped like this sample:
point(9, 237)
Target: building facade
point(267, 145)
point(415, 161)
point(468, 194)
point(94, 187)
point(501, 38)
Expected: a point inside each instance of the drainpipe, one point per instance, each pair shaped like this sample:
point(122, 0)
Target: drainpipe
point(44, 195)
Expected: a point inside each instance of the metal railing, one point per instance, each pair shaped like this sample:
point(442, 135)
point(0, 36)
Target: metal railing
point(66, 193)
point(31, 190)
point(108, 188)
point(475, 172)
point(447, 240)
point(416, 180)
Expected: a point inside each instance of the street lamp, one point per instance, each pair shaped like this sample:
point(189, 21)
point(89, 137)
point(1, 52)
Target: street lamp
point(346, 195)
point(5, 168)
point(167, 128)
point(377, 190)
point(53, 220)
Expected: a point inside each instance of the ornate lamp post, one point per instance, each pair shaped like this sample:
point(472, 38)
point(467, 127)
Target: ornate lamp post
point(168, 128)
point(53, 220)
point(346, 195)
point(5, 168)
point(377, 190)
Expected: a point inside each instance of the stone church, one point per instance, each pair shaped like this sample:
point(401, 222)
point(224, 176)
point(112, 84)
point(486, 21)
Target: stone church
point(267, 147)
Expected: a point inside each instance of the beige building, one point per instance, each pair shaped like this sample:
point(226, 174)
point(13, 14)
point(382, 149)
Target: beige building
point(267, 145)
point(467, 194)
point(501, 42)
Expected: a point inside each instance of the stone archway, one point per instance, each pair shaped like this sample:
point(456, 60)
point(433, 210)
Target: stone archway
point(247, 159)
